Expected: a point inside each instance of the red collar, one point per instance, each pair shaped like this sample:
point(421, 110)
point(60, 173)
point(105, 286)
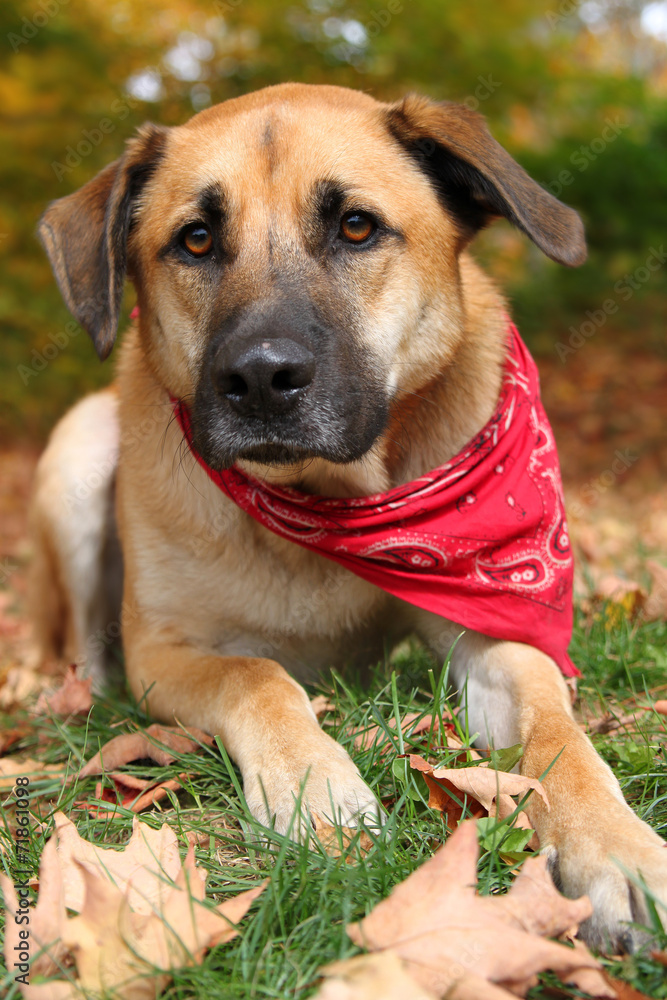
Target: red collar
point(481, 540)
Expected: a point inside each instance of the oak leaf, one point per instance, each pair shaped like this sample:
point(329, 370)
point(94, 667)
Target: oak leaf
point(336, 840)
point(73, 697)
point(492, 789)
point(12, 768)
point(140, 914)
point(370, 977)
point(160, 743)
point(456, 943)
point(376, 736)
point(129, 792)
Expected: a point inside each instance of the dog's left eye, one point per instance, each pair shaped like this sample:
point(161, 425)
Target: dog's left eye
point(197, 240)
point(356, 227)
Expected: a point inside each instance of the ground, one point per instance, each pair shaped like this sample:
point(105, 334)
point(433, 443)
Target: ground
point(607, 420)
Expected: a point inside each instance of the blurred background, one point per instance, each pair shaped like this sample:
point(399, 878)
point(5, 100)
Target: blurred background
point(576, 91)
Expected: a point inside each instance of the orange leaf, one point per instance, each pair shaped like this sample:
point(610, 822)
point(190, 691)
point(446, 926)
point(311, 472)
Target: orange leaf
point(73, 697)
point(466, 946)
point(161, 743)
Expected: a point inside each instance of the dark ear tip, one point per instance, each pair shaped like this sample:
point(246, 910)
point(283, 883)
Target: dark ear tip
point(103, 347)
point(571, 249)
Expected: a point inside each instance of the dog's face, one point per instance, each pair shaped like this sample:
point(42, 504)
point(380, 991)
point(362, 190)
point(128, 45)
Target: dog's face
point(295, 254)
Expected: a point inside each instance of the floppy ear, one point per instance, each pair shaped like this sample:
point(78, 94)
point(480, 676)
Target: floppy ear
point(478, 179)
point(85, 236)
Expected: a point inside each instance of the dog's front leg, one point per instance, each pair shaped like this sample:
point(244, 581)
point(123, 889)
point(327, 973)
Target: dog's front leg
point(266, 724)
point(594, 841)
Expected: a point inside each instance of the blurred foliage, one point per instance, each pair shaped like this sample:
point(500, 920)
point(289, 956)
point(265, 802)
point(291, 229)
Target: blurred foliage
point(77, 78)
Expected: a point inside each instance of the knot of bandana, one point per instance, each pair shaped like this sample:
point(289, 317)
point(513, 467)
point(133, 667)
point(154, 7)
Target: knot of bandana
point(481, 540)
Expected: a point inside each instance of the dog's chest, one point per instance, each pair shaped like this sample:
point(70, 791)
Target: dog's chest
point(231, 585)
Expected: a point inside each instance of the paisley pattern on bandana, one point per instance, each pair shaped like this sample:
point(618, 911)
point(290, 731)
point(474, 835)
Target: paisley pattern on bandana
point(481, 540)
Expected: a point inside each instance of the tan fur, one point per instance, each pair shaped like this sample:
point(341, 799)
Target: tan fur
point(216, 609)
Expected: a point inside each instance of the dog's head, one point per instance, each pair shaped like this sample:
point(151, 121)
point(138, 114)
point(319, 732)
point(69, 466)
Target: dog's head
point(296, 259)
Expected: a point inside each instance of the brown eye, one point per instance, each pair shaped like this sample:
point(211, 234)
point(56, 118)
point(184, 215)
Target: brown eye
point(356, 227)
point(197, 240)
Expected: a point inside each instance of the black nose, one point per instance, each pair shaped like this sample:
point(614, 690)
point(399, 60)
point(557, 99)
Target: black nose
point(263, 378)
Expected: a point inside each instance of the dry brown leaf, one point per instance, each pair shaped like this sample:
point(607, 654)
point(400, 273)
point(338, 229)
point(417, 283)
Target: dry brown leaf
point(161, 743)
point(370, 977)
point(12, 768)
point(661, 707)
point(139, 910)
point(591, 981)
point(655, 606)
point(376, 736)
point(73, 697)
point(47, 918)
point(610, 722)
point(140, 870)
point(336, 840)
point(129, 792)
point(9, 737)
point(490, 788)
point(624, 991)
point(19, 685)
point(457, 943)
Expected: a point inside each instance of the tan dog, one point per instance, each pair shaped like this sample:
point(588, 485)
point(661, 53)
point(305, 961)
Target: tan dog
point(299, 256)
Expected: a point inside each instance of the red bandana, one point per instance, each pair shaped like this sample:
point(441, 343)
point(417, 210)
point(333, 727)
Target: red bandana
point(481, 540)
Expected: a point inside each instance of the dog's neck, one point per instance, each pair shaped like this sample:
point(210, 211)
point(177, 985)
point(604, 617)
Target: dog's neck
point(429, 426)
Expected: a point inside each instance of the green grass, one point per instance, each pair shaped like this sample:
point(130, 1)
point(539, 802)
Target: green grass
point(298, 924)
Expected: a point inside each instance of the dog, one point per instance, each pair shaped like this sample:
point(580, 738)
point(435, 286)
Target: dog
point(311, 324)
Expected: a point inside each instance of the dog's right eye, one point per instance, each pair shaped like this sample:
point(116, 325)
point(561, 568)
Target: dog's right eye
point(197, 240)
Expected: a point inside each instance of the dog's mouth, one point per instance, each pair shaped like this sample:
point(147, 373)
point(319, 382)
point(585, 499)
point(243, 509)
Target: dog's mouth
point(276, 453)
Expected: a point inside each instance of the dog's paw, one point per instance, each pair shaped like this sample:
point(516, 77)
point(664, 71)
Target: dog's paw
point(605, 861)
point(314, 778)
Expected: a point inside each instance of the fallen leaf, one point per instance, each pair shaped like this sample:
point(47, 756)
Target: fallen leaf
point(12, 768)
point(624, 599)
point(655, 606)
point(129, 792)
point(492, 789)
point(592, 981)
point(624, 991)
point(376, 736)
point(370, 977)
point(73, 697)
point(140, 914)
point(160, 743)
point(19, 684)
point(336, 840)
point(140, 870)
point(610, 722)
point(661, 707)
point(456, 943)
point(11, 736)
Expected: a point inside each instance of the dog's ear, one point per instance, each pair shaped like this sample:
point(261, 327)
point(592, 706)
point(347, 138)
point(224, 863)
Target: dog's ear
point(478, 179)
point(85, 236)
